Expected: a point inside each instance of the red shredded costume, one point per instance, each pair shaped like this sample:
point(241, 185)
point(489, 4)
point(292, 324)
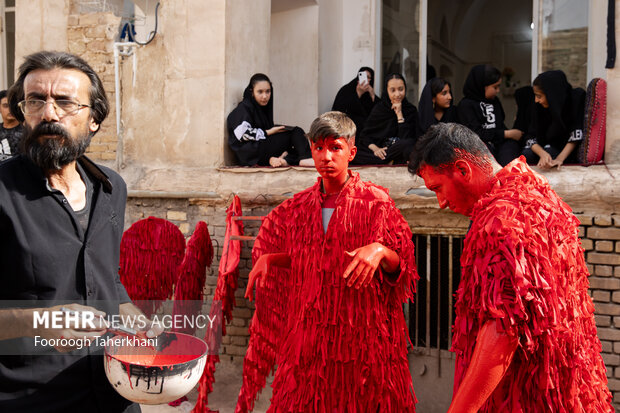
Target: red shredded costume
point(337, 348)
point(524, 267)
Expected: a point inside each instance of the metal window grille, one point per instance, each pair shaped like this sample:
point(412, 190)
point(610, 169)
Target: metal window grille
point(431, 316)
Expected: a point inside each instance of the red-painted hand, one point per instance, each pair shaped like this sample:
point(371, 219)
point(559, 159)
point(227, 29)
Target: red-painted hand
point(261, 268)
point(366, 260)
point(492, 357)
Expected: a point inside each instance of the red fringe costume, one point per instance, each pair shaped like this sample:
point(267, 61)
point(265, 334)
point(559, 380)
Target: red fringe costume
point(189, 288)
point(524, 267)
point(151, 251)
point(227, 280)
point(338, 349)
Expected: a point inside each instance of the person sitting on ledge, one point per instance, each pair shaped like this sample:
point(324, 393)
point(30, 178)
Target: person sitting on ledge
point(482, 112)
point(391, 129)
point(557, 122)
point(357, 98)
point(436, 104)
point(253, 136)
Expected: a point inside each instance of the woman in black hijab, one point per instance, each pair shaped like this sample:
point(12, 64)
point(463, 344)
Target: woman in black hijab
point(391, 129)
point(482, 112)
point(557, 124)
point(253, 136)
point(436, 104)
point(357, 98)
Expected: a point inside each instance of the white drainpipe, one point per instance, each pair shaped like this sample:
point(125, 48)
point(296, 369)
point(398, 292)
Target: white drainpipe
point(127, 50)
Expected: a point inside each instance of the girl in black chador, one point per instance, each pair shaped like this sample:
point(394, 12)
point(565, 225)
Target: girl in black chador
point(391, 129)
point(557, 123)
point(482, 112)
point(436, 104)
point(253, 136)
point(357, 98)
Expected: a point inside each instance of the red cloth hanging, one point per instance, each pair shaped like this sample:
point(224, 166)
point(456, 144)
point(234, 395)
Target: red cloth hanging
point(151, 251)
point(227, 281)
point(188, 293)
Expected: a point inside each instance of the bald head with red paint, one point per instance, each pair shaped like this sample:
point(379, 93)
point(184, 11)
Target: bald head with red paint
point(455, 164)
point(332, 141)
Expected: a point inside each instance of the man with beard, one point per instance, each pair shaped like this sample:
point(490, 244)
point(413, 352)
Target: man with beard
point(524, 333)
point(61, 220)
point(11, 130)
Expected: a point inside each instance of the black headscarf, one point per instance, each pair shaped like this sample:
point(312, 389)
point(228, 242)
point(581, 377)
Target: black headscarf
point(524, 97)
point(478, 78)
point(471, 111)
point(262, 115)
point(426, 108)
point(555, 124)
point(382, 123)
point(357, 108)
point(249, 110)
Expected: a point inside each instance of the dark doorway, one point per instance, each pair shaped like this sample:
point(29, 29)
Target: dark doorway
point(464, 33)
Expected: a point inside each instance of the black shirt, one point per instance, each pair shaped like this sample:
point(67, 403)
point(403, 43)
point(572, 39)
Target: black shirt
point(485, 117)
point(46, 255)
point(10, 140)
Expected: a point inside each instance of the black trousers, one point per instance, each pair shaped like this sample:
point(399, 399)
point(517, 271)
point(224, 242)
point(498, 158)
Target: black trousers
point(399, 152)
point(294, 142)
point(506, 151)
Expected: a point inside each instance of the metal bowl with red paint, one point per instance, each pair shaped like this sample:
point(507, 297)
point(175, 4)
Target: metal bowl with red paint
point(158, 373)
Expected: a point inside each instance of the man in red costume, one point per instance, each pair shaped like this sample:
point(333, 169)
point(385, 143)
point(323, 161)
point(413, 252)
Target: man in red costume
point(334, 323)
point(524, 332)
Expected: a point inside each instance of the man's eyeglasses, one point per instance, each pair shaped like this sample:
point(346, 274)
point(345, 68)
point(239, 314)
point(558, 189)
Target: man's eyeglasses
point(62, 106)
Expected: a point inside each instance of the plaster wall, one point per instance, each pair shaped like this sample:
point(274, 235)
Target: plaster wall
point(347, 41)
point(40, 24)
point(294, 65)
point(597, 39)
point(332, 26)
point(173, 115)
point(358, 37)
point(247, 43)
point(565, 14)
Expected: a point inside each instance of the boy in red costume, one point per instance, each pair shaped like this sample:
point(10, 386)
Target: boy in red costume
point(524, 332)
point(334, 323)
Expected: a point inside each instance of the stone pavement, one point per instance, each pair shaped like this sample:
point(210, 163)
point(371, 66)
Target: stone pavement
point(224, 395)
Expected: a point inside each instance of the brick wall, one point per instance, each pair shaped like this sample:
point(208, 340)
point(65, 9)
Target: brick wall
point(186, 214)
point(600, 239)
point(91, 36)
point(567, 50)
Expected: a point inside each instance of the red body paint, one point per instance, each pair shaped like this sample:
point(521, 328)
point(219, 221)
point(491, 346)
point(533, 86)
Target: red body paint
point(523, 268)
point(156, 360)
point(331, 158)
point(334, 334)
point(459, 185)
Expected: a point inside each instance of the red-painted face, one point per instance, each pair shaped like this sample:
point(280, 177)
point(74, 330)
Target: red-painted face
point(456, 188)
point(331, 158)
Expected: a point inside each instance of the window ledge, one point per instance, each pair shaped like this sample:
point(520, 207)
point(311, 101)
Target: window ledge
point(592, 189)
